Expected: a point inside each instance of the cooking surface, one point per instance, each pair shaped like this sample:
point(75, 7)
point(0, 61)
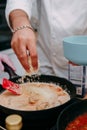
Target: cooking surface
point(19, 71)
point(26, 124)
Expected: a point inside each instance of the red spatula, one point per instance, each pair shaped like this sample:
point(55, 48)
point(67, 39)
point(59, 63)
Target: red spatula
point(11, 86)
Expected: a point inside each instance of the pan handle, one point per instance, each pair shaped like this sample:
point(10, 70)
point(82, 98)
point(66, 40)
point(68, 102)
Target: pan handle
point(9, 70)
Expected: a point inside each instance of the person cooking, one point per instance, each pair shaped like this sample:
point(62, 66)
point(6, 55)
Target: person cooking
point(57, 19)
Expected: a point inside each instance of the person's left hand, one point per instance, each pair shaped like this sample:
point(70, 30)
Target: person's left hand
point(4, 58)
point(74, 64)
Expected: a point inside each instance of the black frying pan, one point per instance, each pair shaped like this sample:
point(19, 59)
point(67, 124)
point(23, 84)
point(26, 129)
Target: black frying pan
point(70, 113)
point(41, 117)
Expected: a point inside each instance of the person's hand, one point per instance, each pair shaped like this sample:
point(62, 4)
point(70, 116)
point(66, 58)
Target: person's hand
point(24, 44)
point(24, 40)
point(74, 64)
point(5, 58)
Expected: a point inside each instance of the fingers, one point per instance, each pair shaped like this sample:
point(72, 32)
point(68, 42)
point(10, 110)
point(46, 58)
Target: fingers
point(7, 60)
point(24, 41)
point(70, 62)
point(33, 55)
point(23, 57)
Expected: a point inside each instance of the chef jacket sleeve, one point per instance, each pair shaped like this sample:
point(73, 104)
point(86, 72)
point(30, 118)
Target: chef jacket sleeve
point(25, 5)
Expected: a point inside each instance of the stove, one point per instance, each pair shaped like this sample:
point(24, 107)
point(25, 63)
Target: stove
point(26, 124)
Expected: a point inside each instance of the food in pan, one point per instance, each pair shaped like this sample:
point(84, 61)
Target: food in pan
point(79, 123)
point(35, 96)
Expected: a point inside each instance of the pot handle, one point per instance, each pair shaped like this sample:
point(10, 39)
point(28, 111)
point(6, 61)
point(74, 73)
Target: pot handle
point(9, 70)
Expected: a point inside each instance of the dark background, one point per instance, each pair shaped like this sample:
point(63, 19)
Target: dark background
point(5, 33)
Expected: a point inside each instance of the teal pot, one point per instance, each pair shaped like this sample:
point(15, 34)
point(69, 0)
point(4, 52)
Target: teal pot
point(75, 49)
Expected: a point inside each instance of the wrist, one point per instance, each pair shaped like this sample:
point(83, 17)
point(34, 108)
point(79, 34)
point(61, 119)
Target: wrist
point(18, 18)
point(22, 27)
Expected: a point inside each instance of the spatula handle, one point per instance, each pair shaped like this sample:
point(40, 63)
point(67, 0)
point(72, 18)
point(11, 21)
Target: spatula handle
point(9, 70)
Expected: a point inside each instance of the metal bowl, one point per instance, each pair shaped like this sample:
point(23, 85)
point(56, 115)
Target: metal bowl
point(75, 49)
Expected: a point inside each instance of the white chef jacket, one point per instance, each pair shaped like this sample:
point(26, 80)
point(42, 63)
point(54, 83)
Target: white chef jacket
point(57, 19)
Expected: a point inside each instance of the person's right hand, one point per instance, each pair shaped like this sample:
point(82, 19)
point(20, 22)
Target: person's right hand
point(24, 44)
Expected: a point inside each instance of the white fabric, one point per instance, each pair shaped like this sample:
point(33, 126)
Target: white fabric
point(57, 19)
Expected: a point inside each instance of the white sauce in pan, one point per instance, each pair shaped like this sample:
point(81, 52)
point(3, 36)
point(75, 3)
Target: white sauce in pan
point(35, 96)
